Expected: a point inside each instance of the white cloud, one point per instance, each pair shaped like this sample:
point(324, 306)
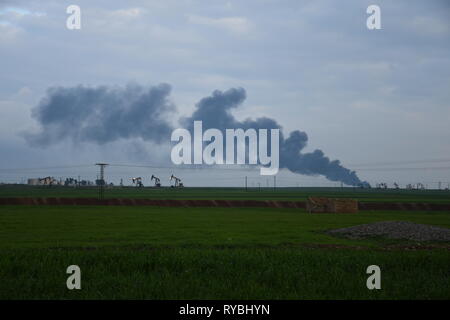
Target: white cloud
point(15, 117)
point(12, 21)
point(430, 26)
point(8, 32)
point(370, 68)
point(127, 13)
point(239, 25)
point(17, 13)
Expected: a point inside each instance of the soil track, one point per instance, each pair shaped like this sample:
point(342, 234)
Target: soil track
point(404, 206)
point(216, 203)
point(152, 202)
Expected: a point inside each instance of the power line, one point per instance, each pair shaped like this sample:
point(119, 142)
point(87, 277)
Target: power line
point(398, 162)
point(402, 169)
point(234, 168)
point(196, 167)
point(47, 168)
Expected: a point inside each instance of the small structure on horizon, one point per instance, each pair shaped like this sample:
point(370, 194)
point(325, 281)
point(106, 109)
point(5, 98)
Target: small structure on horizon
point(331, 205)
point(47, 181)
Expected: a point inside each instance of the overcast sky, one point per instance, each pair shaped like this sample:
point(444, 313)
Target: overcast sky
point(363, 96)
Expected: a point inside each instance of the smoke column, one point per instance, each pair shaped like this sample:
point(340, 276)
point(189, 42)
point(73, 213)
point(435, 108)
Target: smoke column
point(103, 114)
point(106, 114)
point(215, 112)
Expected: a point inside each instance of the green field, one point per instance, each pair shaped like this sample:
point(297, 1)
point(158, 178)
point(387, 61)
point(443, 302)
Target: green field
point(211, 253)
point(288, 194)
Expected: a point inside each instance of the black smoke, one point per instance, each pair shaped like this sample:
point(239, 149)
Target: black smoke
point(106, 114)
point(103, 114)
point(215, 112)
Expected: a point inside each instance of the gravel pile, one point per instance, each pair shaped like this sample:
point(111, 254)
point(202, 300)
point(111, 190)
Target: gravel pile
point(395, 230)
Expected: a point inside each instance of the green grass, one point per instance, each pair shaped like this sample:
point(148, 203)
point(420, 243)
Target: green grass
point(209, 253)
point(68, 226)
point(289, 194)
point(283, 273)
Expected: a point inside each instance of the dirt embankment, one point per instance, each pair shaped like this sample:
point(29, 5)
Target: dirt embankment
point(152, 202)
point(216, 203)
point(405, 206)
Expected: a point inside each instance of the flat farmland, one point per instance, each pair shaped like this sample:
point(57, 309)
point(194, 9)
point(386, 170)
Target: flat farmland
point(287, 194)
point(212, 253)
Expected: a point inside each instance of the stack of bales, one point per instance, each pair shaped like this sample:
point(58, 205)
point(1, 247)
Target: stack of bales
point(331, 205)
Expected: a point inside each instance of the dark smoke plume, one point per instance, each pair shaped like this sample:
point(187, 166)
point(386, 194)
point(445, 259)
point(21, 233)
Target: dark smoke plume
point(106, 114)
point(215, 112)
point(103, 114)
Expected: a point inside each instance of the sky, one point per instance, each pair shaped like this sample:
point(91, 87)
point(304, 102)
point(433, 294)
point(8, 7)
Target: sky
point(377, 100)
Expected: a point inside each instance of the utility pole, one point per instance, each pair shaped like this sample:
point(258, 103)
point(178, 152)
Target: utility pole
point(274, 182)
point(245, 183)
point(101, 181)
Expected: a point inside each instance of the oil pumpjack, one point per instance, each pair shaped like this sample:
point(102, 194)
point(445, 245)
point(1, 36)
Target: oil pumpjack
point(157, 181)
point(137, 181)
point(178, 183)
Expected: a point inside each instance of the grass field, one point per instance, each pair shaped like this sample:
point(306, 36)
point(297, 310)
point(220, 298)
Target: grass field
point(211, 253)
point(290, 194)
